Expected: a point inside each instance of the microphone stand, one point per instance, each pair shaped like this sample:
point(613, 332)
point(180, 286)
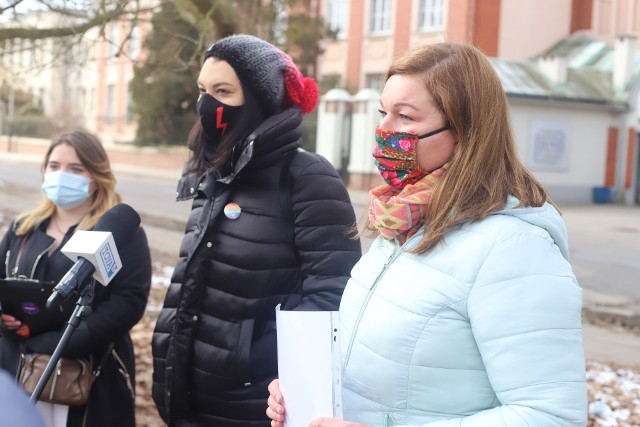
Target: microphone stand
point(82, 310)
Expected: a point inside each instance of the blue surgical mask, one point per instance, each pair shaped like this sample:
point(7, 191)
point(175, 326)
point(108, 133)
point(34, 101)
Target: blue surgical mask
point(66, 190)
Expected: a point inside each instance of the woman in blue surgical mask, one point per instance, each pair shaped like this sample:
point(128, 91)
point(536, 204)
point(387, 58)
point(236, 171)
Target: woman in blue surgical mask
point(465, 310)
point(78, 186)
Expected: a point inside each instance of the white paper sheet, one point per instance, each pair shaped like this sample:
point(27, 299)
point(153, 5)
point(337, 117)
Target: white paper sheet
point(309, 366)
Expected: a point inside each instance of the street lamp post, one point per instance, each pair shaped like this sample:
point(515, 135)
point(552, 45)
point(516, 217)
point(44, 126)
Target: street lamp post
point(9, 77)
point(11, 114)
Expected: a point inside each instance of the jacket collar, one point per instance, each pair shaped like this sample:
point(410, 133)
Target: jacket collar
point(278, 134)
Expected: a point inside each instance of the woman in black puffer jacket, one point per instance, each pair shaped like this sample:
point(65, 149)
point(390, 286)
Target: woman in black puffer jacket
point(270, 224)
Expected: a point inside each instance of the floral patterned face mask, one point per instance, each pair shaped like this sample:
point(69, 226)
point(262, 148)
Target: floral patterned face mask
point(395, 156)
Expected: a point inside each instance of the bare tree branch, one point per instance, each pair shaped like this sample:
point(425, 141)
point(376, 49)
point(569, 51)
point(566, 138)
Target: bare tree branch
point(102, 16)
point(62, 10)
point(10, 7)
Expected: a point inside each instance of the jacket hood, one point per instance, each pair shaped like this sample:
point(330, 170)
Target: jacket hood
point(545, 217)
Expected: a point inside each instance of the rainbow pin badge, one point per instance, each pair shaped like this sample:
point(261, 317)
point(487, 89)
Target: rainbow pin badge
point(232, 211)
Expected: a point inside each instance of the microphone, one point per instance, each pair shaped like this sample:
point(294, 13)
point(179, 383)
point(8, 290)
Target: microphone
point(95, 252)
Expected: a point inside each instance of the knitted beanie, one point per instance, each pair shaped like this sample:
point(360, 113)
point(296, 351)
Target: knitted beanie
point(267, 72)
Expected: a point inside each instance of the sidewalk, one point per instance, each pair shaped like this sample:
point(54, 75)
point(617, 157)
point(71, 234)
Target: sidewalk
point(152, 161)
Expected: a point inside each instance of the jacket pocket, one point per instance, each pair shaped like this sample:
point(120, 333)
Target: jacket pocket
point(263, 362)
point(389, 420)
point(245, 335)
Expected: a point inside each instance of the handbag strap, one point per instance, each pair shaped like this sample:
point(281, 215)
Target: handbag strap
point(105, 356)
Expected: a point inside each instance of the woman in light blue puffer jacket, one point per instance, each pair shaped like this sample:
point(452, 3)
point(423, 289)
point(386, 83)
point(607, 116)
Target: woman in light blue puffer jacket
point(465, 310)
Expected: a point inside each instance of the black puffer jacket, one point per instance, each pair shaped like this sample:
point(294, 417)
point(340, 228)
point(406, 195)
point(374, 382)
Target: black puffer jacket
point(214, 345)
point(116, 309)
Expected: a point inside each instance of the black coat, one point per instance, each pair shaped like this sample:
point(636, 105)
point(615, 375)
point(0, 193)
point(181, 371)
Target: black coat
point(116, 308)
point(214, 345)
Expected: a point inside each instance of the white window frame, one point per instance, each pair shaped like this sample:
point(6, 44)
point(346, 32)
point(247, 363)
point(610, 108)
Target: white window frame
point(380, 17)
point(114, 39)
point(134, 42)
point(110, 110)
point(431, 15)
point(337, 17)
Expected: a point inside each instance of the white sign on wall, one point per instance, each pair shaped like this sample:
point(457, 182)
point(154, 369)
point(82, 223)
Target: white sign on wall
point(549, 145)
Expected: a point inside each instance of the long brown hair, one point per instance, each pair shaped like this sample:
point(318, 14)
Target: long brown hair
point(485, 168)
point(94, 158)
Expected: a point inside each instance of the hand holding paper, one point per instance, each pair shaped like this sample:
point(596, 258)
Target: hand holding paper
point(309, 365)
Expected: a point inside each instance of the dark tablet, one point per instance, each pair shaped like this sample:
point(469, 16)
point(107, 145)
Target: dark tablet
point(26, 300)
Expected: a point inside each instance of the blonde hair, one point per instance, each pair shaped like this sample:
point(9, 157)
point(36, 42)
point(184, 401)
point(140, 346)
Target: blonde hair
point(94, 158)
point(485, 168)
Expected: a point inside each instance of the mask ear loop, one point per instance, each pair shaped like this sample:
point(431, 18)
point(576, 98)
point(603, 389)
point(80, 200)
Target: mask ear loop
point(435, 132)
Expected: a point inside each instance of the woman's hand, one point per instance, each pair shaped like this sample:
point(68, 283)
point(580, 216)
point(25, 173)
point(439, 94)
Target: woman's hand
point(10, 322)
point(275, 410)
point(334, 422)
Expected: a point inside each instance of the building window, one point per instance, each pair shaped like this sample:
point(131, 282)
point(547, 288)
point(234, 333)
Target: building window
point(82, 97)
point(431, 15)
point(23, 54)
point(91, 98)
point(337, 11)
point(130, 114)
point(41, 97)
point(279, 27)
point(110, 112)
point(11, 49)
point(328, 82)
point(134, 43)
point(32, 54)
point(380, 16)
point(374, 81)
point(114, 39)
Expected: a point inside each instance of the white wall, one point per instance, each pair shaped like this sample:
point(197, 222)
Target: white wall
point(570, 179)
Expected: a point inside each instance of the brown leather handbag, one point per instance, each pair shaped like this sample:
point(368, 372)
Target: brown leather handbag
point(69, 383)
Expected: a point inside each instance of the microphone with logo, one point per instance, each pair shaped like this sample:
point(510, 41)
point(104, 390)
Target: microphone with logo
point(95, 252)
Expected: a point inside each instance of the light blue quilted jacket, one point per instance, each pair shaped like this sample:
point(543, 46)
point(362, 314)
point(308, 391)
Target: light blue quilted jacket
point(485, 330)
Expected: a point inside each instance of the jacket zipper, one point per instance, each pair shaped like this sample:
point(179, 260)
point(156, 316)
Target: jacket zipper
point(85, 415)
point(389, 420)
point(35, 263)
point(387, 264)
point(6, 264)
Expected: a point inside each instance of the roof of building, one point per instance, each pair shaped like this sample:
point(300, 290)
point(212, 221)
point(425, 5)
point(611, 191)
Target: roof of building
point(589, 74)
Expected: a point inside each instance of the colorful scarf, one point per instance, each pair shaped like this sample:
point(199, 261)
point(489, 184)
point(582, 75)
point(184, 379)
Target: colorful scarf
point(398, 213)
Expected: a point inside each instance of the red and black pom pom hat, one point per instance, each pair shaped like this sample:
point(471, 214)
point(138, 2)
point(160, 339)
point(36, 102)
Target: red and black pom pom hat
point(266, 71)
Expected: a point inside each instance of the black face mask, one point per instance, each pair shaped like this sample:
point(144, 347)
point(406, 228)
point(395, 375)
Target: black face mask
point(217, 118)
